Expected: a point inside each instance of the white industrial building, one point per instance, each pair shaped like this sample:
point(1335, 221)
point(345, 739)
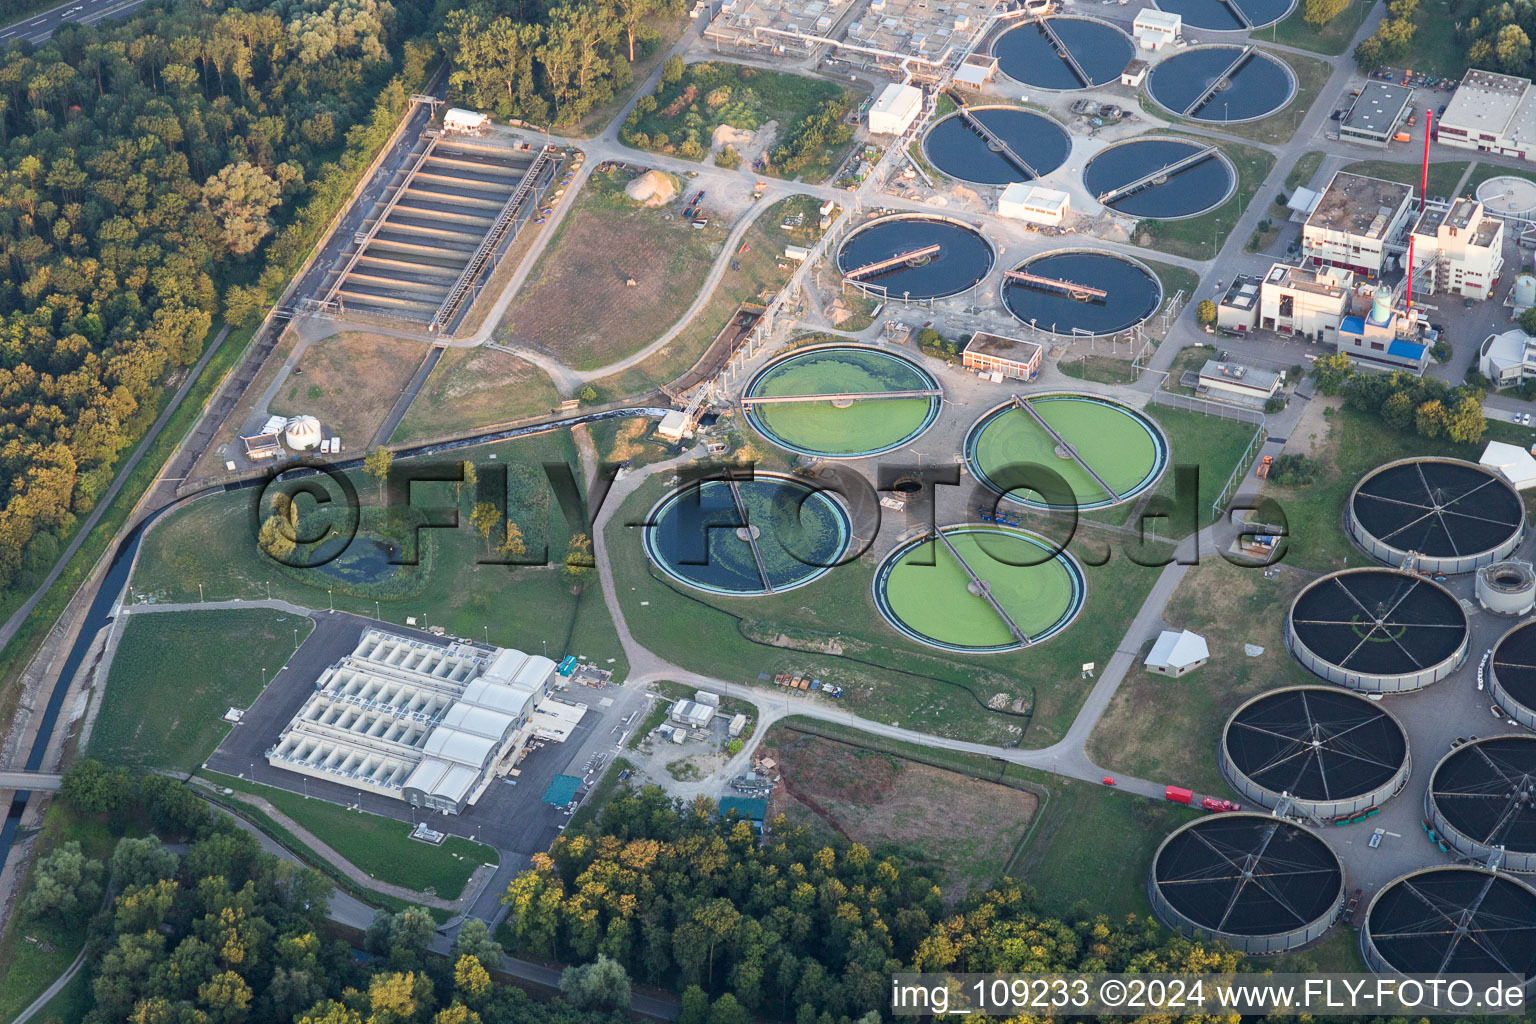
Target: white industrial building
point(896, 108)
point(1457, 249)
point(422, 722)
point(1155, 29)
point(1177, 652)
point(468, 122)
point(1512, 462)
point(1507, 359)
point(1033, 204)
point(1235, 379)
point(1303, 301)
point(692, 713)
point(1491, 113)
point(1356, 221)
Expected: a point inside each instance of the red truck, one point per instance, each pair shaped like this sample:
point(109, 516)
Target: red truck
point(1210, 803)
point(1179, 795)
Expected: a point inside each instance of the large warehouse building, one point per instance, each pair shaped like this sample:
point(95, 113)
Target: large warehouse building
point(422, 722)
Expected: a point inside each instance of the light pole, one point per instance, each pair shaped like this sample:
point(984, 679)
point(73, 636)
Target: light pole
point(199, 593)
point(376, 613)
point(295, 638)
point(269, 590)
point(330, 595)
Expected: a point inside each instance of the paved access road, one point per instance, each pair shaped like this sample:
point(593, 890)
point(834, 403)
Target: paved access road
point(38, 27)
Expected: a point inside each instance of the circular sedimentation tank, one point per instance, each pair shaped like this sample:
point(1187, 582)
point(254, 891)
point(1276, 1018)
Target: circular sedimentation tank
point(1378, 630)
point(1334, 753)
point(702, 536)
point(841, 426)
point(1219, 16)
point(936, 591)
point(1438, 515)
point(1028, 55)
point(1188, 191)
point(1259, 87)
point(1512, 674)
point(1509, 196)
point(1076, 292)
point(958, 149)
point(1482, 797)
point(1452, 920)
point(962, 259)
point(1255, 882)
point(1124, 449)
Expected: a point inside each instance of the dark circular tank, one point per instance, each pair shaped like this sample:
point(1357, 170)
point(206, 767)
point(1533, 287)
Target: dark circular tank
point(963, 258)
point(1219, 15)
point(1132, 293)
point(1027, 54)
point(955, 147)
point(1186, 192)
point(1260, 86)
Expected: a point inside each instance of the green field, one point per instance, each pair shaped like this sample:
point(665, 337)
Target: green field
point(927, 588)
point(857, 429)
point(1108, 438)
point(378, 845)
point(174, 676)
point(536, 608)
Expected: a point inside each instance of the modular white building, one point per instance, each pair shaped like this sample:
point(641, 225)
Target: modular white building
point(420, 722)
point(1177, 652)
point(1034, 204)
point(457, 119)
point(1155, 29)
point(1491, 113)
point(895, 109)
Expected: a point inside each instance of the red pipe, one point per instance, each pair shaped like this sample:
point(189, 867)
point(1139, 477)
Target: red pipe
point(1410, 272)
point(1424, 179)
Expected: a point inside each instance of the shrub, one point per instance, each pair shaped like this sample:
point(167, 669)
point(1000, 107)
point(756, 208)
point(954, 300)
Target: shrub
point(1293, 471)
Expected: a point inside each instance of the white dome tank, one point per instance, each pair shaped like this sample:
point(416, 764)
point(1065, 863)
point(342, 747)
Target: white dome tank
point(303, 433)
point(1525, 290)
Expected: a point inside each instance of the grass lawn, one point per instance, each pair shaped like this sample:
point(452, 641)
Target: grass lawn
point(157, 714)
point(475, 388)
point(350, 382)
point(1201, 237)
point(832, 631)
point(1346, 445)
point(1210, 444)
point(210, 542)
point(1332, 38)
point(1302, 170)
point(614, 277)
point(1174, 279)
point(1435, 50)
point(969, 828)
point(1483, 171)
point(378, 845)
point(686, 113)
point(1167, 729)
point(1103, 369)
point(631, 441)
point(1442, 176)
point(757, 275)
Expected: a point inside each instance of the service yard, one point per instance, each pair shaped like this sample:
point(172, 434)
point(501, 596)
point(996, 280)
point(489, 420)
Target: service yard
point(349, 382)
point(474, 388)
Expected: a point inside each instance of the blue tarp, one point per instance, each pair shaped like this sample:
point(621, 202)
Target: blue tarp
point(562, 790)
point(1352, 325)
point(1406, 350)
point(754, 809)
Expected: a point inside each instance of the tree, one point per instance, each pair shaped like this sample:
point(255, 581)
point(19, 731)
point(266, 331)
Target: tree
point(240, 196)
point(278, 536)
point(141, 862)
point(474, 940)
point(1513, 48)
point(93, 788)
point(727, 1010)
point(1331, 371)
point(484, 517)
point(1527, 321)
point(377, 464)
point(1431, 419)
point(600, 985)
point(1466, 423)
point(672, 70)
point(1205, 313)
point(66, 886)
point(588, 394)
point(695, 1006)
point(512, 543)
point(578, 556)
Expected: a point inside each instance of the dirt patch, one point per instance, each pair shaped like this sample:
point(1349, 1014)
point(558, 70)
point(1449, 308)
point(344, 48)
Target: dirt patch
point(474, 388)
point(349, 382)
point(1313, 434)
point(968, 827)
point(614, 279)
point(749, 144)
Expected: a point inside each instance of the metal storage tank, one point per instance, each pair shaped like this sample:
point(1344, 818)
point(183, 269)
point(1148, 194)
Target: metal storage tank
point(1452, 920)
point(1482, 799)
point(1378, 630)
point(1436, 515)
point(1507, 588)
point(1512, 673)
point(1525, 290)
point(1258, 883)
point(1332, 752)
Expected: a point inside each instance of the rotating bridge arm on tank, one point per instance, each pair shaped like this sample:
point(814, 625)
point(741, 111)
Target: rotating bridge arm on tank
point(1061, 284)
point(1065, 52)
point(1040, 420)
point(741, 511)
point(1183, 163)
point(984, 591)
point(1239, 13)
point(1217, 82)
point(849, 396)
point(886, 264)
point(994, 140)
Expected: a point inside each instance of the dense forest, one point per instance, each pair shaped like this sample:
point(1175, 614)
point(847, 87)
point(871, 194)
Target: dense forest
point(550, 64)
point(742, 926)
point(159, 173)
